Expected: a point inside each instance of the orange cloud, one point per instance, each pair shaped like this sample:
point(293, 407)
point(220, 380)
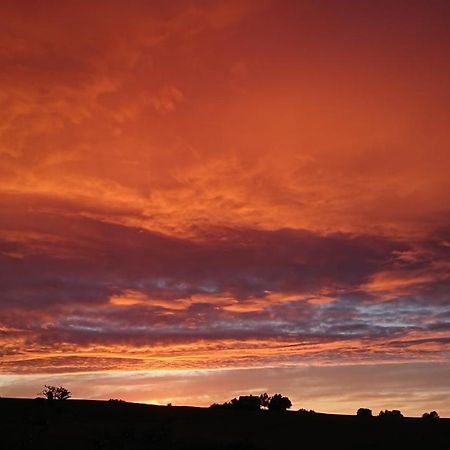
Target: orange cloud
point(187, 185)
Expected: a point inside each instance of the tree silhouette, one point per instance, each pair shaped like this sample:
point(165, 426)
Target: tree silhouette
point(364, 413)
point(253, 403)
point(244, 403)
point(56, 393)
point(305, 412)
point(432, 415)
point(395, 414)
point(264, 400)
point(279, 403)
point(247, 402)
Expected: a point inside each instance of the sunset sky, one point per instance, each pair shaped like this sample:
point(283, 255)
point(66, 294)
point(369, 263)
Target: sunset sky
point(201, 199)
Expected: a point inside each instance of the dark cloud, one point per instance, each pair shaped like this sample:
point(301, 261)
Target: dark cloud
point(59, 280)
point(80, 260)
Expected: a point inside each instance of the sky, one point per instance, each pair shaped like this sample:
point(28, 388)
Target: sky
point(202, 199)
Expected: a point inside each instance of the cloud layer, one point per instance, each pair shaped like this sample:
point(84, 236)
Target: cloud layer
point(196, 185)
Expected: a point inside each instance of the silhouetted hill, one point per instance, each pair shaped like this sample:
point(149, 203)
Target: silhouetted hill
point(84, 425)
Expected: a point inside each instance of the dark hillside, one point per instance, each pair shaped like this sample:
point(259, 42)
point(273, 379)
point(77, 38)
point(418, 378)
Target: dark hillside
point(85, 425)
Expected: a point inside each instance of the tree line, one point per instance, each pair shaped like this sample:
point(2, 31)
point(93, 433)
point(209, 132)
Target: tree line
point(276, 402)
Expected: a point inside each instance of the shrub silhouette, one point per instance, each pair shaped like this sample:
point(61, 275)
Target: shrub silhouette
point(395, 414)
point(219, 405)
point(254, 403)
point(305, 412)
point(247, 403)
point(244, 403)
point(264, 400)
point(56, 393)
point(432, 415)
point(279, 403)
point(364, 413)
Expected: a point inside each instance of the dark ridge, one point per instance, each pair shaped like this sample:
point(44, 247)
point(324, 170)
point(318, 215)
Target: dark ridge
point(90, 424)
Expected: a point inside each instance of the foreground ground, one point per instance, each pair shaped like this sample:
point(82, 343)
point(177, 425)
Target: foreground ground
point(85, 425)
